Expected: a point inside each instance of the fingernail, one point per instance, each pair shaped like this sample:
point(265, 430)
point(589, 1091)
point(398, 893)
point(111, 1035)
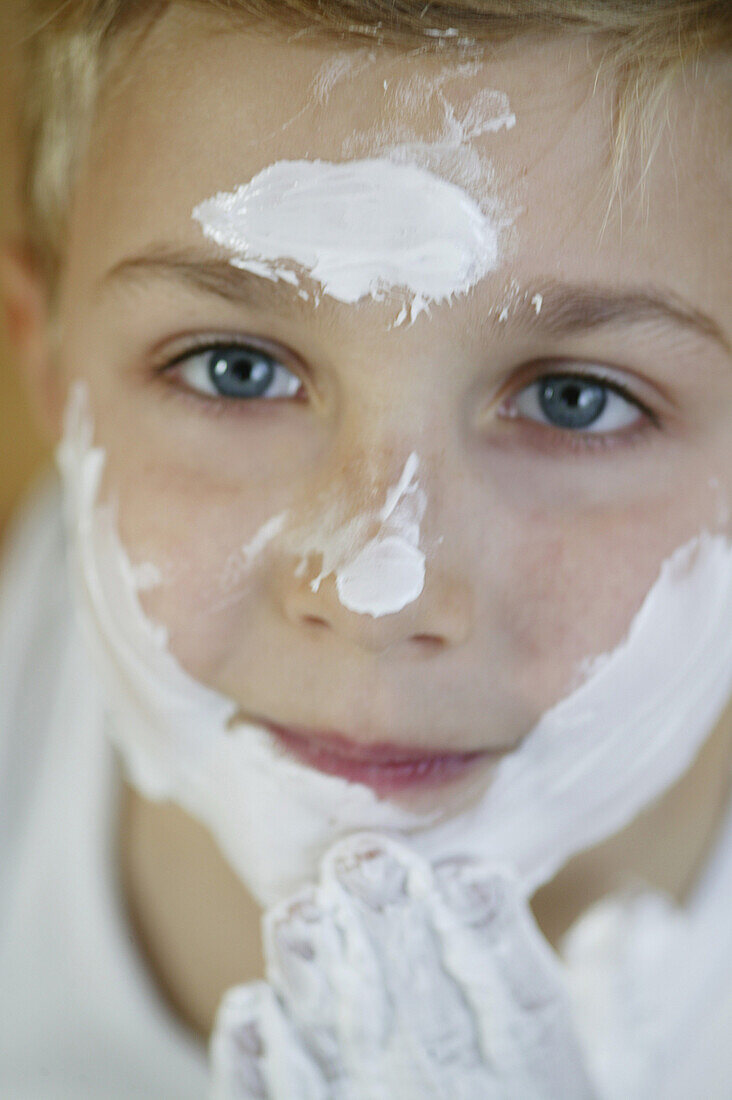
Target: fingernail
point(373, 875)
point(477, 895)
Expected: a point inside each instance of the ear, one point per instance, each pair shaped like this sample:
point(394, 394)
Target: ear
point(27, 317)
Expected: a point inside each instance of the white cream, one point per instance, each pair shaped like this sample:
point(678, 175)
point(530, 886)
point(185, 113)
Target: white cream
point(348, 64)
point(239, 563)
point(361, 229)
point(454, 149)
point(374, 576)
point(418, 223)
point(389, 571)
point(651, 985)
point(590, 765)
point(387, 575)
point(624, 736)
point(434, 32)
point(179, 739)
point(389, 978)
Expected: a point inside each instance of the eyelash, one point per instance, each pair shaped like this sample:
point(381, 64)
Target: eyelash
point(220, 405)
point(549, 437)
point(576, 440)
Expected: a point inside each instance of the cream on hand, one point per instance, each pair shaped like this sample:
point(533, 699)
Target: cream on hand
point(391, 978)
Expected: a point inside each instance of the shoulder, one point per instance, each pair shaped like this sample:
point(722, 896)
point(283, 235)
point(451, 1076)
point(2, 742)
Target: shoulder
point(35, 618)
point(33, 540)
point(34, 589)
point(33, 575)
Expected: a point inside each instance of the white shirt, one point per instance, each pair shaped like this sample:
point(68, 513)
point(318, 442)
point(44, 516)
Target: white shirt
point(80, 1018)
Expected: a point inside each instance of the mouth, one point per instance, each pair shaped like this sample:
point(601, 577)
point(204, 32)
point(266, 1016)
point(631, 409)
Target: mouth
point(385, 767)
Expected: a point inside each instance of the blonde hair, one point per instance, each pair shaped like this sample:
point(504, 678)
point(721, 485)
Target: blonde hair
point(68, 43)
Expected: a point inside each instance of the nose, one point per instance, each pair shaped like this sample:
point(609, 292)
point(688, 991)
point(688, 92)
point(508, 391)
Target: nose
point(439, 618)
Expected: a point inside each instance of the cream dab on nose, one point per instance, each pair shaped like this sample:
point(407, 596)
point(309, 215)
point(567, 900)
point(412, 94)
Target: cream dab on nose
point(388, 573)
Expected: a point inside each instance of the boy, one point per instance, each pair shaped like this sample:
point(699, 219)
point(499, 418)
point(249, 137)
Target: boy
point(380, 416)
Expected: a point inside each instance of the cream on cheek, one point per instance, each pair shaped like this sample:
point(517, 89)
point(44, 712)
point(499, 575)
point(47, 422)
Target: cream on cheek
point(179, 739)
point(589, 766)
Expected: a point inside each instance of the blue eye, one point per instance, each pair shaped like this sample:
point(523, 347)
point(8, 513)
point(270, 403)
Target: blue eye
point(575, 403)
point(237, 371)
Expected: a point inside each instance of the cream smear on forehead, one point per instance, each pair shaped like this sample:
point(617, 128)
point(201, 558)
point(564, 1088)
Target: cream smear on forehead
point(418, 224)
point(589, 766)
point(453, 145)
point(361, 229)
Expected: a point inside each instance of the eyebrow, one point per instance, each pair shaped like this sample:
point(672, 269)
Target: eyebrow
point(555, 308)
point(561, 309)
point(200, 271)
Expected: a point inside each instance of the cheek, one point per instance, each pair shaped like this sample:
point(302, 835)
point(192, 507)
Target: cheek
point(568, 590)
point(193, 533)
point(551, 586)
point(573, 549)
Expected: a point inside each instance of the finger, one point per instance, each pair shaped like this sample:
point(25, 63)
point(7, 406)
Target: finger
point(385, 886)
point(304, 950)
point(256, 1053)
point(511, 976)
point(364, 1017)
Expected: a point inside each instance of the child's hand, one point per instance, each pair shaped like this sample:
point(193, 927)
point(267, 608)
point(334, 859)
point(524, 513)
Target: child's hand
point(396, 980)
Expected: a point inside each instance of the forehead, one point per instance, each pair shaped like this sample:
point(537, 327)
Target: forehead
point(203, 107)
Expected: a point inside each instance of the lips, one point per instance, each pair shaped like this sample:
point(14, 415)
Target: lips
point(384, 767)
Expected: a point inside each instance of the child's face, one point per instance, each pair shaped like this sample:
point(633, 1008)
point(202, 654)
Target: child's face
point(540, 541)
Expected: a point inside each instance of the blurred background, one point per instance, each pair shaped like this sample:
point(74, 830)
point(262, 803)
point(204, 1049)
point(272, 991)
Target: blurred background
point(21, 450)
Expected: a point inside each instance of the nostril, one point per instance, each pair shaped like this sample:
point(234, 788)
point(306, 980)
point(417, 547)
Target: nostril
point(429, 642)
point(314, 620)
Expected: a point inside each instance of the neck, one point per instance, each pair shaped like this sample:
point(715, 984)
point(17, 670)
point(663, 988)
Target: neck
point(197, 927)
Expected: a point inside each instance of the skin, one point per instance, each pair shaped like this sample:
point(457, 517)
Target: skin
point(541, 546)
